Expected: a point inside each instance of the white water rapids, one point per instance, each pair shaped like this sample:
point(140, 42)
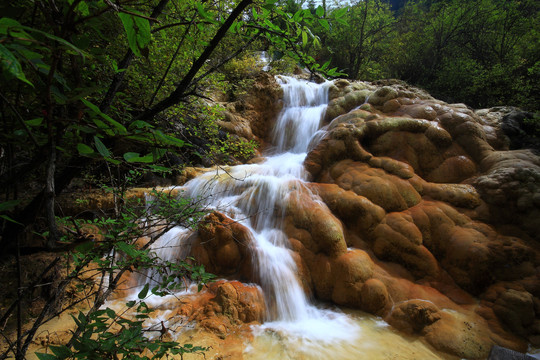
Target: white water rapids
point(255, 195)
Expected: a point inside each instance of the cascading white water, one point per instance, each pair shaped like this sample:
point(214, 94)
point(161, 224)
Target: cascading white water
point(262, 189)
point(256, 195)
point(304, 105)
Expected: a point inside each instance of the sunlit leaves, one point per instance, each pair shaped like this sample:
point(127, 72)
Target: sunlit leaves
point(324, 24)
point(205, 15)
point(133, 157)
point(138, 32)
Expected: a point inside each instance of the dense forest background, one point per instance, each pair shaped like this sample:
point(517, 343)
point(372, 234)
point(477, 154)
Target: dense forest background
point(482, 53)
point(104, 94)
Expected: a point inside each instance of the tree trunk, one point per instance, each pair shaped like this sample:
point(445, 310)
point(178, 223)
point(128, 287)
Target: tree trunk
point(187, 82)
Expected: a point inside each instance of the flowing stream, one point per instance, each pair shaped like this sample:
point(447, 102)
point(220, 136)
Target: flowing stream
point(255, 195)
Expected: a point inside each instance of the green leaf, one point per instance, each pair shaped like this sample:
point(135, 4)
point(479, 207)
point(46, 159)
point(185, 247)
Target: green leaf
point(82, 8)
point(342, 21)
point(101, 148)
point(159, 168)
point(133, 157)
point(62, 351)
point(167, 139)
point(12, 65)
point(157, 153)
point(9, 205)
point(12, 27)
point(5, 217)
point(103, 127)
point(319, 11)
point(325, 65)
point(34, 122)
point(139, 124)
point(121, 129)
point(110, 313)
point(55, 38)
point(137, 30)
point(339, 12)
point(129, 250)
point(316, 42)
point(113, 161)
point(304, 39)
point(324, 24)
point(205, 14)
point(42, 356)
point(84, 149)
point(85, 248)
point(298, 15)
point(144, 291)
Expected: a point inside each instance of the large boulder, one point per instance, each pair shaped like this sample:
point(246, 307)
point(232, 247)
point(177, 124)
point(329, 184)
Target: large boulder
point(438, 213)
point(223, 246)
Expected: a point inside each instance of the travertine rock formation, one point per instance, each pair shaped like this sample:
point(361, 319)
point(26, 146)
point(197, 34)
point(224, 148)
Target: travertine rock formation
point(431, 196)
point(427, 219)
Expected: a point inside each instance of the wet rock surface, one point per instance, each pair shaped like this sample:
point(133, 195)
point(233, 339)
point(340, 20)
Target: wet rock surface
point(443, 212)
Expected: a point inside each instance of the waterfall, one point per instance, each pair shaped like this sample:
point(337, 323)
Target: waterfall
point(245, 190)
point(304, 107)
point(255, 195)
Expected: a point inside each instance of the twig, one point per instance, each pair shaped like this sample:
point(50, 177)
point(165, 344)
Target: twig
point(180, 24)
point(119, 9)
point(162, 80)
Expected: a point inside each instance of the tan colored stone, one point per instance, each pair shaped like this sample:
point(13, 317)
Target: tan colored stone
point(223, 245)
point(374, 297)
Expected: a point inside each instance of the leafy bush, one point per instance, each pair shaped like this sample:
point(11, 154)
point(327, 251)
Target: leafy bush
point(106, 333)
point(243, 67)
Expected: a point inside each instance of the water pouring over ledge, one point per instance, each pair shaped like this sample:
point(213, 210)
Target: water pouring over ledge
point(256, 195)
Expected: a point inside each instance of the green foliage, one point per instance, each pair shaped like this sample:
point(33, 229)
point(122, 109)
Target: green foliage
point(109, 335)
point(482, 53)
point(233, 146)
point(282, 65)
point(213, 143)
point(104, 333)
point(478, 53)
point(242, 67)
point(138, 32)
point(11, 66)
point(359, 38)
point(117, 87)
